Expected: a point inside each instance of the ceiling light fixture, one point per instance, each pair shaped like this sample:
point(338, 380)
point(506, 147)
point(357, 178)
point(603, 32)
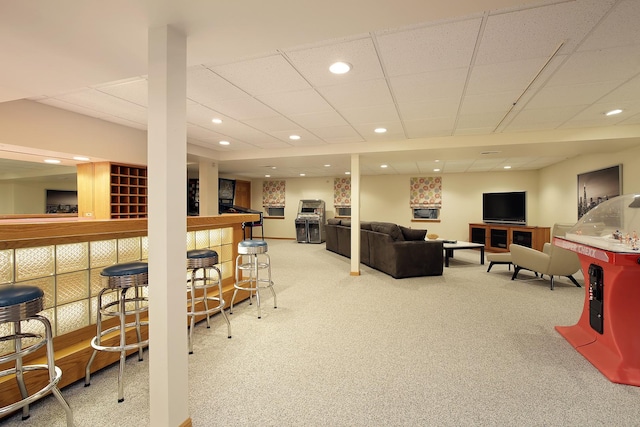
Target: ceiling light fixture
point(81, 159)
point(347, 173)
point(384, 166)
point(302, 174)
point(340, 67)
point(52, 161)
point(436, 170)
point(294, 137)
point(224, 143)
point(327, 166)
point(216, 120)
point(613, 112)
point(379, 130)
point(267, 176)
point(507, 167)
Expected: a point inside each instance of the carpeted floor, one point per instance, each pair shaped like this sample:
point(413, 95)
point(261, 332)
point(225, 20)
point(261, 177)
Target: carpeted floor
point(468, 348)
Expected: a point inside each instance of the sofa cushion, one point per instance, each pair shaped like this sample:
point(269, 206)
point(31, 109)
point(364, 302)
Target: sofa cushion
point(412, 234)
point(333, 221)
point(365, 225)
point(388, 228)
point(345, 223)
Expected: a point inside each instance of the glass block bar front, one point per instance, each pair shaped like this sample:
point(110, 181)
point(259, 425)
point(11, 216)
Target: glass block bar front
point(69, 274)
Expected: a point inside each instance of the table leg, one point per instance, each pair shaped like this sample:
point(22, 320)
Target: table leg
point(447, 254)
point(482, 255)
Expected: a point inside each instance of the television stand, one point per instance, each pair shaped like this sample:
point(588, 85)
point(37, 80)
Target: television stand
point(498, 237)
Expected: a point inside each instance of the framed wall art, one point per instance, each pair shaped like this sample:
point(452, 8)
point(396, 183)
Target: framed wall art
point(598, 186)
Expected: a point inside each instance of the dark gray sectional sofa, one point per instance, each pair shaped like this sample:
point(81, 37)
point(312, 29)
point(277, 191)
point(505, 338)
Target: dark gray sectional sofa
point(393, 249)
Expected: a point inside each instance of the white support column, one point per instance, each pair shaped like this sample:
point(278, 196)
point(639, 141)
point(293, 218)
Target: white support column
point(208, 178)
point(355, 215)
point(167, 225)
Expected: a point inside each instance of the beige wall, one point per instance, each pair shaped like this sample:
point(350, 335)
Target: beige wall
point(30, 197)
point(386, 198)
point(39, 126)
point(558, 183)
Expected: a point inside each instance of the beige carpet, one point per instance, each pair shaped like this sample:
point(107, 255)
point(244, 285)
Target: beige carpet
point(468, 348)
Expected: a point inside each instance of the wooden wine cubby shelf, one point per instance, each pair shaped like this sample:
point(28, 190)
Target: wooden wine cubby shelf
point(112, 191)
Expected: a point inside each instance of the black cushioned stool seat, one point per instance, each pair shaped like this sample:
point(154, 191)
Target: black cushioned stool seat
point(250, 272)
point(200, 262)
point(20, 303)
point(118, 279)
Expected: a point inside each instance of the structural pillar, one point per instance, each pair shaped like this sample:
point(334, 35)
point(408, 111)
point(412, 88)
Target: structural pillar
point(355, 215)
point(208, 180)
point(167, 226)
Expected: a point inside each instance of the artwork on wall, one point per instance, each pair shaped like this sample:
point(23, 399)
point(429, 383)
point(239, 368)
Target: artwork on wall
point(597, 186)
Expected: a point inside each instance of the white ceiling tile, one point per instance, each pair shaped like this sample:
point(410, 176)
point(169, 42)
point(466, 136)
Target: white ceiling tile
point(619, 28)
point(438, 47)
point(541, 118)
point(447, 107)
point(620, 63)
point(503, 77)
point(107, 104)
point(629, 91)
point(319, 120)
point(372, 114)
point(132, 90)
point(272, 124)
point(244, 108)
point(263, 75)
point(357, 94)
point(314, 62)
point(338, 134)
point(298, 102)
point(437, 126)
point(481, 121)
point(208, 88)
point(561, 96)
point(494, 102)
point(537, 32)
point(434, 84)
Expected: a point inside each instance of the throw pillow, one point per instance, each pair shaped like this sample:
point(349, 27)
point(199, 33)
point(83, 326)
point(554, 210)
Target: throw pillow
point(388, 228)
point(411, 234)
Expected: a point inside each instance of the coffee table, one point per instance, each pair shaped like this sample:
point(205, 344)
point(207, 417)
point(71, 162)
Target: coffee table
point(450, 247)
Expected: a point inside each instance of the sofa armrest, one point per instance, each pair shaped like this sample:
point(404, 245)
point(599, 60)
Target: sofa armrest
point(406, 258)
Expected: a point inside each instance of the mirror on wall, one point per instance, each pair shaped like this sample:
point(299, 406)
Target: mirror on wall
point(24, 185)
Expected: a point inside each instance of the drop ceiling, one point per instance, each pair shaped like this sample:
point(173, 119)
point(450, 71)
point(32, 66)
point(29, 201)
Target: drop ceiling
point(526, 83)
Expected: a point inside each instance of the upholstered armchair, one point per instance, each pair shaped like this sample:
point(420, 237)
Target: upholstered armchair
point(552, 261)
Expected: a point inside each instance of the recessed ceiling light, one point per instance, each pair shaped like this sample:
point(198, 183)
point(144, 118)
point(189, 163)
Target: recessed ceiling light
point(52, 161)
point(436, 161)
point(436, 170)
point(340, 68)
point(613, 112)
point(302, 174)
point(379, 130)
point(224, 143)
point(267, 176)
point(81, 159)
point(507, 167)
point(384, 166)
point(489, 152)
point(327, 166)
point(347, 173)
point(273, 167)
point(216, 120)
point(294, 137)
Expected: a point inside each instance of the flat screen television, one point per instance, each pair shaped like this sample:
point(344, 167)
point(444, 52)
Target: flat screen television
point(505, 207)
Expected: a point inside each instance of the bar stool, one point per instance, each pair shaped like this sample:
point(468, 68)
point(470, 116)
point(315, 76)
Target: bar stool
point(204, 260)
point(120, 278)
point(259, 261)
point(23, 303)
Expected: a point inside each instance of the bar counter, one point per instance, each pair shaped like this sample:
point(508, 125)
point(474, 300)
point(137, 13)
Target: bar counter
point(64, 257)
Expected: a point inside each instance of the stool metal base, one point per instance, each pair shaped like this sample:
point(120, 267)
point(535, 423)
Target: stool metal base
point(118, 308)
point(204, 283)
point(253, 283)
point(19, 353)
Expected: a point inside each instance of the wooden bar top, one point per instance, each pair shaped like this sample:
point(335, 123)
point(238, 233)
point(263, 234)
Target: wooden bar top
point(33, 232)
